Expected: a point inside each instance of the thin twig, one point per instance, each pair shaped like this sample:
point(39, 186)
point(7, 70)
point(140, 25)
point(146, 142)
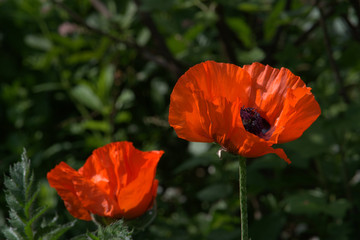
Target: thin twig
point(354, 31)
point(116, 92)
point(149, 55)
point(225, 33)
point(159, 39)
point(274, 46)
point(301, 39)
point(330, 54)
point(101, 8)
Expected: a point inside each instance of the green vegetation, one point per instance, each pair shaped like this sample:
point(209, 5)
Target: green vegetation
point(76, 75)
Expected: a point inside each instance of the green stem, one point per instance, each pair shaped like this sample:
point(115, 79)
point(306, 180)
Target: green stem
point(243, 198)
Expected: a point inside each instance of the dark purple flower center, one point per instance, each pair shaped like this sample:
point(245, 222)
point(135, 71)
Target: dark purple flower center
point(253, 122)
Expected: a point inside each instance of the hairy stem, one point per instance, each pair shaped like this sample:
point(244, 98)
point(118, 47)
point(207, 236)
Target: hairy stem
point(243, 198)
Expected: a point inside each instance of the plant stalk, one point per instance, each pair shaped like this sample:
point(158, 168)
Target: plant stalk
point(243, 198)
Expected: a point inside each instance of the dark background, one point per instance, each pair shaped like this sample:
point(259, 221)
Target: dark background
point(76, 75)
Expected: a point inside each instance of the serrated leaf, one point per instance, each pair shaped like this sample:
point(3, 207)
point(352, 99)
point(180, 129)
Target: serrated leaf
point(53, 232)
point(39, 212)
point(12, 234)
point(116, 230)
point(92, 236)
point(12, 201)
point(16, 220)
point(30, 202)
point(21, 199)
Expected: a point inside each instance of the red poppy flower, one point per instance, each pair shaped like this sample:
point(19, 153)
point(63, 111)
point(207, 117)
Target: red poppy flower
point(116, 181)
point(245, 110)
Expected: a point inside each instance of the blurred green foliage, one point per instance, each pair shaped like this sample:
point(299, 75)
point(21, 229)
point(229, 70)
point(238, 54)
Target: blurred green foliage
point(76, 75)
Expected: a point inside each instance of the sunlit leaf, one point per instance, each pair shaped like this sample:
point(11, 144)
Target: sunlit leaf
point(86, 96)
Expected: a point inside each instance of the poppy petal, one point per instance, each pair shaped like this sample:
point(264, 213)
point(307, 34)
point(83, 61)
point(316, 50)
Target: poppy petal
point(137, 196)
point(94, 199)
point(204, 81)
point(103, 165)
point(269, 89)
point(110, 170)
point(186, 116)
point(300, 111)
point(116, 181)
point(229, 132)
point(61, 178)
point(252, 148)
point(217, 80)
point(211, 99)
point(284, 99)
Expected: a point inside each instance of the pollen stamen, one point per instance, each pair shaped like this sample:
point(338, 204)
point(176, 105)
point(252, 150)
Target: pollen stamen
point(253, 122)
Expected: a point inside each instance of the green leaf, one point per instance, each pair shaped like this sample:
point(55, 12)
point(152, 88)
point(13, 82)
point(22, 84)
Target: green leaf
point(274, 20)
point(143, 37)
point(157, 5)
point(338, 208)
point(242, 30)
point(142, 222)
point(92, 236)
point(224, 234)
point(177, 44)
point(86, 96)
point(11, 234)
point(38, 213)
point(194, 31)
point(97, 125)
point(214, 192)
point(129, 15)
point(38, 42)
point(18, 193)
point(305, 203)
point(123, 117)
point(254, 55)
point(253, 7)
point(53, 231)
point(126, 99)
point(116, 230)
point(270, 225)
point(105, 81)
point(202, 160)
